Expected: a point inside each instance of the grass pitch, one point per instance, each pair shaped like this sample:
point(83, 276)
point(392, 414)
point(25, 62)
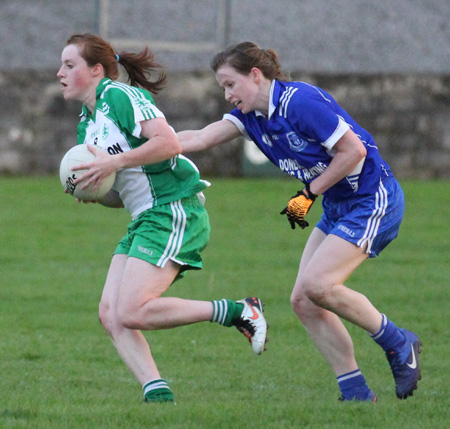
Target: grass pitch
point(59, 369)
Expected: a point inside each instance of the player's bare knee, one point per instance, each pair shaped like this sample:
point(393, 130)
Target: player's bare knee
point(108, 319)
point(298, 302)
point(104, 315)
point(128, 317)
point(317, 295)
point(303, 307)
point(316, 290)
point(319, 299)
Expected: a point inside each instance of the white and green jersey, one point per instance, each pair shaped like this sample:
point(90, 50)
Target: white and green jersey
point(115, 126)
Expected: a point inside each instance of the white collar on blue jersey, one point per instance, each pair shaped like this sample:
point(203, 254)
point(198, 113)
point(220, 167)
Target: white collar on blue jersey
point(271, 105)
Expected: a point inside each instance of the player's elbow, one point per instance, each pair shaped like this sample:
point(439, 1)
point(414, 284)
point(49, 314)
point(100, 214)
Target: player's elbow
point(172, 147)
point(177, 150)
point(361, 153)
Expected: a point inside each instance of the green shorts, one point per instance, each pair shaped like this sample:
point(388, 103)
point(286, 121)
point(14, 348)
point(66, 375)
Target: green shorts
point(178, 231)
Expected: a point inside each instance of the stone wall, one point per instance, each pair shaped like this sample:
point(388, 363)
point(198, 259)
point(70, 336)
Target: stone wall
point(386, 62)
point(409, 116)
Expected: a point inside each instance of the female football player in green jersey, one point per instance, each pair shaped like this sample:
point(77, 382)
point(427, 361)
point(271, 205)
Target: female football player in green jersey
point(162, 191)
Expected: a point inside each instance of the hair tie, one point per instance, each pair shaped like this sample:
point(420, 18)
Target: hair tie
point(117, 57)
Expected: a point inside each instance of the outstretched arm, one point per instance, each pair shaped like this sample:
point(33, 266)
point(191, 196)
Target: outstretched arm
point(216, 133)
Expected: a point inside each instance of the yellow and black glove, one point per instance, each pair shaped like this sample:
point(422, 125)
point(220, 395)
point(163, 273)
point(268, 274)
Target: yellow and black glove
point(298, 206)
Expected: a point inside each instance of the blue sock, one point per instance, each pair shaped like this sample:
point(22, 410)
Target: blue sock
point(389, 336)
point(353, 386)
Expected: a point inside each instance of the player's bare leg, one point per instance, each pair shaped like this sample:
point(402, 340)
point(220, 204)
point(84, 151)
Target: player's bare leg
point(132, 301)
point(323, 326)
point(130, 344)
point(141, 306)
point(322, 282)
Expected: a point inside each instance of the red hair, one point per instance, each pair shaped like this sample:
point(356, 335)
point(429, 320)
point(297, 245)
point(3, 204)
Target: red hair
point(139, 66)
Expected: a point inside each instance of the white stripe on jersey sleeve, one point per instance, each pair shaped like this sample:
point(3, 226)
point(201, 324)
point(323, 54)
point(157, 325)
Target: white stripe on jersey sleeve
point(340, 130)
point(238, 123)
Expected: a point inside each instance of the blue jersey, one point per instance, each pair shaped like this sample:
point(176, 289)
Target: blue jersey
point(303, 124)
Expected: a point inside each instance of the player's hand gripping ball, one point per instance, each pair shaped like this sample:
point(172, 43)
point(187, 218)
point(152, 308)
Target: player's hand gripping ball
point(298, 206)
point(78, 155)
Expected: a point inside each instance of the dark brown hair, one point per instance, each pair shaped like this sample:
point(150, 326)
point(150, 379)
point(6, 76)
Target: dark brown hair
point(139, 66)
point(246, 55)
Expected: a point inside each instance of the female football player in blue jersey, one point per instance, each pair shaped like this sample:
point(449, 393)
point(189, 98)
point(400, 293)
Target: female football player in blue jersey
point(162, 191)
point(301, 129)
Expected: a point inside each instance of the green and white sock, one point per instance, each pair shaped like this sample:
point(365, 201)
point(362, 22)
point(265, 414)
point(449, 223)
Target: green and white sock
point(225, 311)
point(157, 391)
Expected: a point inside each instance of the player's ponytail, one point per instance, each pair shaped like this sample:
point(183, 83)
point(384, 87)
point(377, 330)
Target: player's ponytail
point(139, 66)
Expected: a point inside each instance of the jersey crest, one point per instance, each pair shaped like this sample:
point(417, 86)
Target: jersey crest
point(295, 142)
point(105, 132)
point(266, 140)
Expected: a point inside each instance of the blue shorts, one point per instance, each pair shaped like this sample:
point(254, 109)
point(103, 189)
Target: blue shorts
point(372, 220)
